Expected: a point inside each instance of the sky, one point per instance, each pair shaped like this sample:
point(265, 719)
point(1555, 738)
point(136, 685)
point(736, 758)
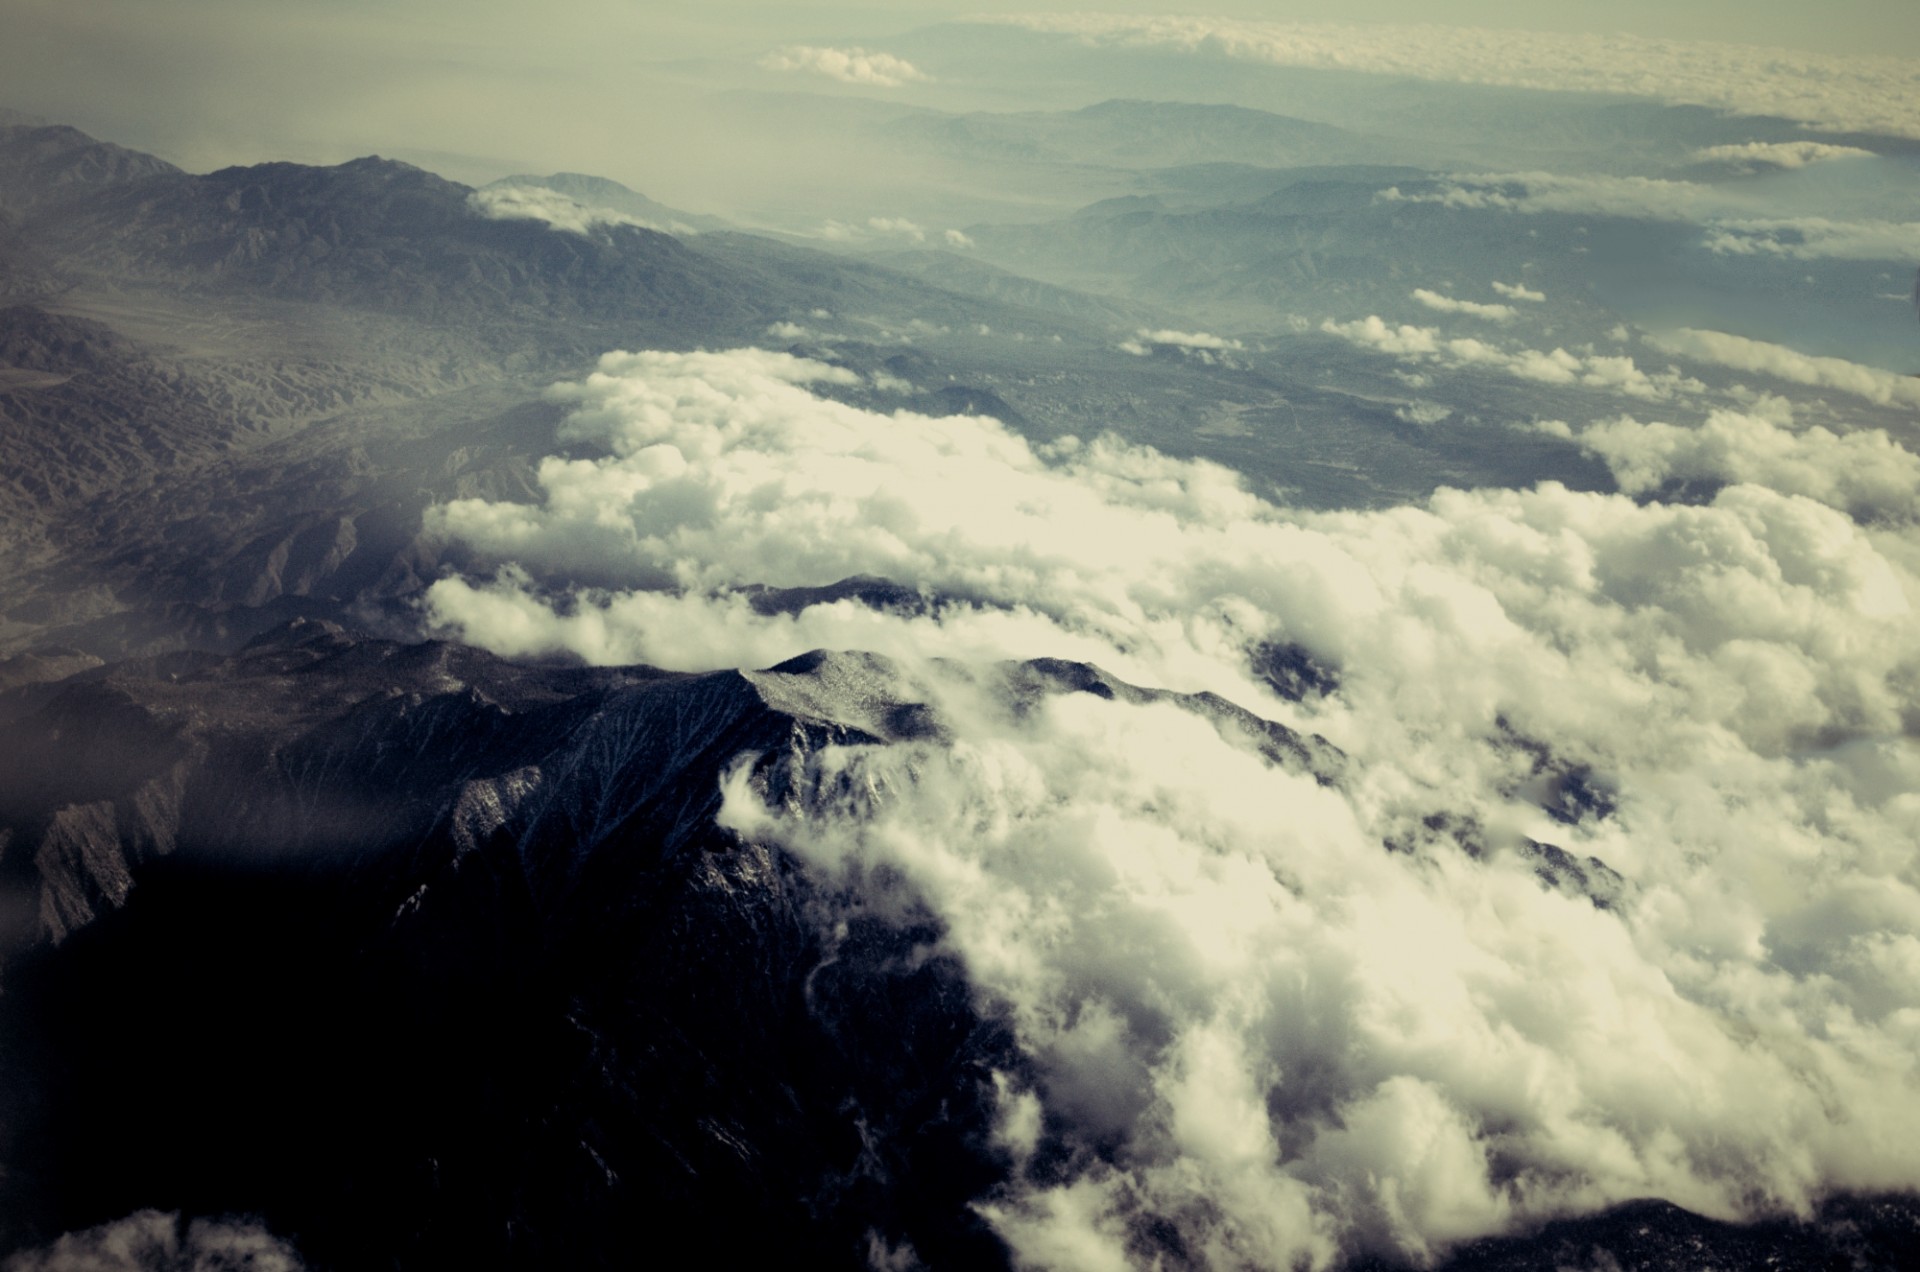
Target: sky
point(474, 89)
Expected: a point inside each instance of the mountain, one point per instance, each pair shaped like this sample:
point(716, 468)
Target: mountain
point(380, 234)
point(430, 959)
point(45, 164)
point(236, 390)
point(1141, 134)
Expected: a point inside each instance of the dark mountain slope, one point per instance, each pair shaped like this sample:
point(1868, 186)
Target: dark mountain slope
point(380, 234)
point(456, 969)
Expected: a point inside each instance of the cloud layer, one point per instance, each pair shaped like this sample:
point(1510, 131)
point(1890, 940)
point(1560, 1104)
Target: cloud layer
point(1732, 221)
point(1267, 1019)
point(1865, 472)
point(1852, 93)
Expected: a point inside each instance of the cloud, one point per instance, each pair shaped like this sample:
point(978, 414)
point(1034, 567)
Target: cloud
point(849, 66)
point(1604, 372)
point(1471, 308)
point(150, 1241)
point(1883, 388)
point(1269, 1020)
point(1647, 198)
point(1728, 216)
point(897, 225)
point(1864, 473)
point(1814, 238)
point(1519, 291)
point(957, 239)
point(881, 226)
point(1200, 346)
point(536, 203)
point(1423, 413)
point(1854, 93)
point(1757, 155)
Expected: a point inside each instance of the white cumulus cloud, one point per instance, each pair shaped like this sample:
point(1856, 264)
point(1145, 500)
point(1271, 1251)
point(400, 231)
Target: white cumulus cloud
point(1289, 1020)
point(1611, 373)
point(1866, 473)
point(1881, 387)
point(1201, 346)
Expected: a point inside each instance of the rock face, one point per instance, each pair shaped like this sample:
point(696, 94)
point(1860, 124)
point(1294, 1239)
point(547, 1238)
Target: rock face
point(430, 959)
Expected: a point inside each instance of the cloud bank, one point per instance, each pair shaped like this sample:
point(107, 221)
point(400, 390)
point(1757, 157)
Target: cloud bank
point(1728, 217)
point(1613, 373)
point(1760, 155)
point(1868, 94)
point(1865, 473)
point(1269, 1021)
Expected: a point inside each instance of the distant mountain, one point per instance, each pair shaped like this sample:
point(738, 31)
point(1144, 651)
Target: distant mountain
point(42, 165)
point(1142, 134)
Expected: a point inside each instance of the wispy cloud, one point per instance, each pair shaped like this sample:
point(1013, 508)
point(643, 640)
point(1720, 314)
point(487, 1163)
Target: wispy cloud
point(562, 212)
point(1519, 291)
point(848, 65)
point(1756, 155)
point(1471, 308)
point(1731, 221)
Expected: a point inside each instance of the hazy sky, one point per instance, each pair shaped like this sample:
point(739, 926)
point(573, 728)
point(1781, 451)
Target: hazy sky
point(473, 89)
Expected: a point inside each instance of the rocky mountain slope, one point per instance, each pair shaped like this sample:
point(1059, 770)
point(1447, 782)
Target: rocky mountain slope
point(455, 966)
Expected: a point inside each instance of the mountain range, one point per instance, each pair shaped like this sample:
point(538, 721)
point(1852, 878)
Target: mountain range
point(424, 957)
